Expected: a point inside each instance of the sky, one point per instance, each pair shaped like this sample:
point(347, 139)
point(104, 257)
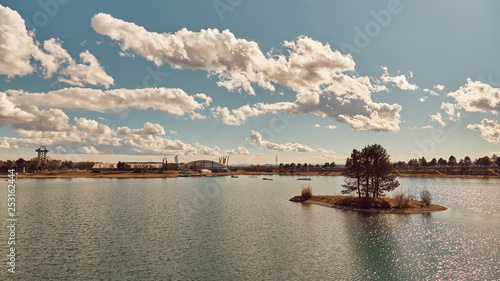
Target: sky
point(303, 81)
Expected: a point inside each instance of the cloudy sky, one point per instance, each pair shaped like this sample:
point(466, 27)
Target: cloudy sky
point(307, 81)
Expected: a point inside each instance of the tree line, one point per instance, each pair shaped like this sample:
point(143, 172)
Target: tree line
point(32, 166)
point(452, 162)
point(305, 166)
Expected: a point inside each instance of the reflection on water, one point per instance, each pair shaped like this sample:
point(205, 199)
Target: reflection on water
point(232, 229)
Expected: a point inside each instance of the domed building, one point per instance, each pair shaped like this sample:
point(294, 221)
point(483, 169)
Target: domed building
point(205, 164)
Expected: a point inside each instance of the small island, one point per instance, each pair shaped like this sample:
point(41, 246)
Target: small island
point(379, 205)
point(369, 174)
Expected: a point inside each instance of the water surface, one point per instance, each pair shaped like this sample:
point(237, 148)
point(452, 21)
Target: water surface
point(245, 228)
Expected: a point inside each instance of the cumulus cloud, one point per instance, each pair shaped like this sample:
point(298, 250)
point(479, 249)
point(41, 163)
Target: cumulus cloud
point(160, 145)
point(19, 49)
point(237, 62)
point(331, 127)
point(400, 81)
point(89, 150)
point(92, 127)
point(490, 130)
point(173, 101)
point(238, 151)
point(295, 147)
point(10, 114)
point(236, 116)
point(439, 87)
point(310, 68)
point(90, 72)
point(438, 118)
point(256, 138)
point(449, 108)
point(431, 92)
point(476, 96)
point(422, 99)
point(348, 102)
point(148, 129)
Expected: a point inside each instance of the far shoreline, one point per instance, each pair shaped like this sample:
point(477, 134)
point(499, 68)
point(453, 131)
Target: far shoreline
point(176, 173)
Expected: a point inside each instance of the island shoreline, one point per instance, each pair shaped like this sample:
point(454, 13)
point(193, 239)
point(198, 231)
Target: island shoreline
point(414, 208)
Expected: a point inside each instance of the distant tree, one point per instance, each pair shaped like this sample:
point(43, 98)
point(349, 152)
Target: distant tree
point(292, 165)
point(326, 165)
point(433, 162)
point(484, 161)
point(333, 165)
point(452, 161)
point(317, 166)
point(401, 164)
point(413, 163)
point(442, 162)
point(497, 161)
point(20, 164)
point(299, 166)
point(467, 161)
point(422, 162)
point(281, 166)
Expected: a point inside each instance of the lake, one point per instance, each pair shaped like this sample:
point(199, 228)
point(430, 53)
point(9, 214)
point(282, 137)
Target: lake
point(246, 229)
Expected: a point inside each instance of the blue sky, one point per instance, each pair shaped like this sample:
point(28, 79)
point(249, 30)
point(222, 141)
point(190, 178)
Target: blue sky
point(307, 81)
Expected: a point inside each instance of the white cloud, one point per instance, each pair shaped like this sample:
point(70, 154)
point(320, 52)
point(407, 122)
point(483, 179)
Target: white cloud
point(431, 92)
point(89, 150)
point(310, 68)
point(160, 145)
point(256, 138)
point(92, 127)
point(16, 45)
point(400, 80)
point(439, 87)
point(238, 151)
point(449, 108)
point(475, 96)
point(331, 127)
point(148, 129)
point(237, 62)
point(172, 132)
point(18, 48)
point(438, 118)
point(236, 116)
point(490, 130)
point(90, 72)
point(338, 102)
point(10, 114)
point(422, 99)
point(173, 101)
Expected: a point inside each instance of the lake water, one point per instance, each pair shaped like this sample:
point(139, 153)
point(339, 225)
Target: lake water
point(246, 229)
